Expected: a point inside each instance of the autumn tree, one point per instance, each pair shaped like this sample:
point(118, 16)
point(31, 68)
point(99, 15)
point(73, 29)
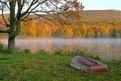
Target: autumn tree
point(20, 10)
point(33, 28)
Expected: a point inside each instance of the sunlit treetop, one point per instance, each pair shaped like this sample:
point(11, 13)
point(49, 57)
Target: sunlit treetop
point(51, 4)
point(38, 7)
point(22, 9)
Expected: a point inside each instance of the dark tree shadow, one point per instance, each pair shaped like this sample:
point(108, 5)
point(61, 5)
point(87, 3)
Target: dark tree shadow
point(4, 58)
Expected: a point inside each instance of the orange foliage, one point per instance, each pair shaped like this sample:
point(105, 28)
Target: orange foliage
point(33, 28)
point(42, 29)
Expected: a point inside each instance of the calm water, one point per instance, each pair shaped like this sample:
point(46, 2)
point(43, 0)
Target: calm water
point(106, 48)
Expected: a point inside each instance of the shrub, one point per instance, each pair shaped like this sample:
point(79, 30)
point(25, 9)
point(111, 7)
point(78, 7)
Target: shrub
point(41, 51)
point(60, 52)
point(27, 51)
point(1, 47)
point(86, 54)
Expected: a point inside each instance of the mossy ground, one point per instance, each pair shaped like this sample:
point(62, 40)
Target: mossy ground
point(42, 66)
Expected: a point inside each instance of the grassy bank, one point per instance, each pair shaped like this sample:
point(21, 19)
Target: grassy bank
point(44, 67)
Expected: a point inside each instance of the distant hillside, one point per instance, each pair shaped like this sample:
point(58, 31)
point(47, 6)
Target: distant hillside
point(101, 15)
point(98, 15)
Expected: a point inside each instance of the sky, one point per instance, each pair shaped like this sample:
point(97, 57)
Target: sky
point(101, 4)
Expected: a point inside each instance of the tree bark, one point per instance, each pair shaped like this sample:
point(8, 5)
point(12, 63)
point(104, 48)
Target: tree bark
point(12, 36)
point(11, 44)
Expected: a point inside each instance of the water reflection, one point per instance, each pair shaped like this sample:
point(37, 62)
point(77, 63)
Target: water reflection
point(106, 48)
point(33, 48)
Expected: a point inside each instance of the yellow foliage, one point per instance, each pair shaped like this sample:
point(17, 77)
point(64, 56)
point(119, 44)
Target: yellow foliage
point(33, 28)
point(47, 30)
point(72, 30)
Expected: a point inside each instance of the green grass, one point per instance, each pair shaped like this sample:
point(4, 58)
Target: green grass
point(44, 67)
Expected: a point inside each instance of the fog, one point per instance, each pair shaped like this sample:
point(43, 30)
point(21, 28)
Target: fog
point(106, 48)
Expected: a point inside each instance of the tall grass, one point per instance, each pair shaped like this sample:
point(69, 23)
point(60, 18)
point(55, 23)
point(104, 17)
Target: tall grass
point(1, 47)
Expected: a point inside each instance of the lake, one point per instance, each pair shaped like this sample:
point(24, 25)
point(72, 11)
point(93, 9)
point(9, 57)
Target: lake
point(106, 48)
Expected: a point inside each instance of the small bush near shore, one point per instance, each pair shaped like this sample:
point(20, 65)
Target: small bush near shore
point(1, 47)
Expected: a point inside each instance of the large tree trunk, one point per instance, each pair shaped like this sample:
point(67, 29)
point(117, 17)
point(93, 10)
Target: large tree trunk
point(11, 44)
point(12, 36)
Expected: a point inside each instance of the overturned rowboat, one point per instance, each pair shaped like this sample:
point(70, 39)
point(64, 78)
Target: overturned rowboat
point(88, 65)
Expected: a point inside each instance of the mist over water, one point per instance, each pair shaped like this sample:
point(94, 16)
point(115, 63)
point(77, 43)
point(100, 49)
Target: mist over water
point(106, 48)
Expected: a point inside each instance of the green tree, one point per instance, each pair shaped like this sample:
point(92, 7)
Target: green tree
point(19, 10)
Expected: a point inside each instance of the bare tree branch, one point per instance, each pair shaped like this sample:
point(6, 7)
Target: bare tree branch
point(4, 31)
point(4, 17)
